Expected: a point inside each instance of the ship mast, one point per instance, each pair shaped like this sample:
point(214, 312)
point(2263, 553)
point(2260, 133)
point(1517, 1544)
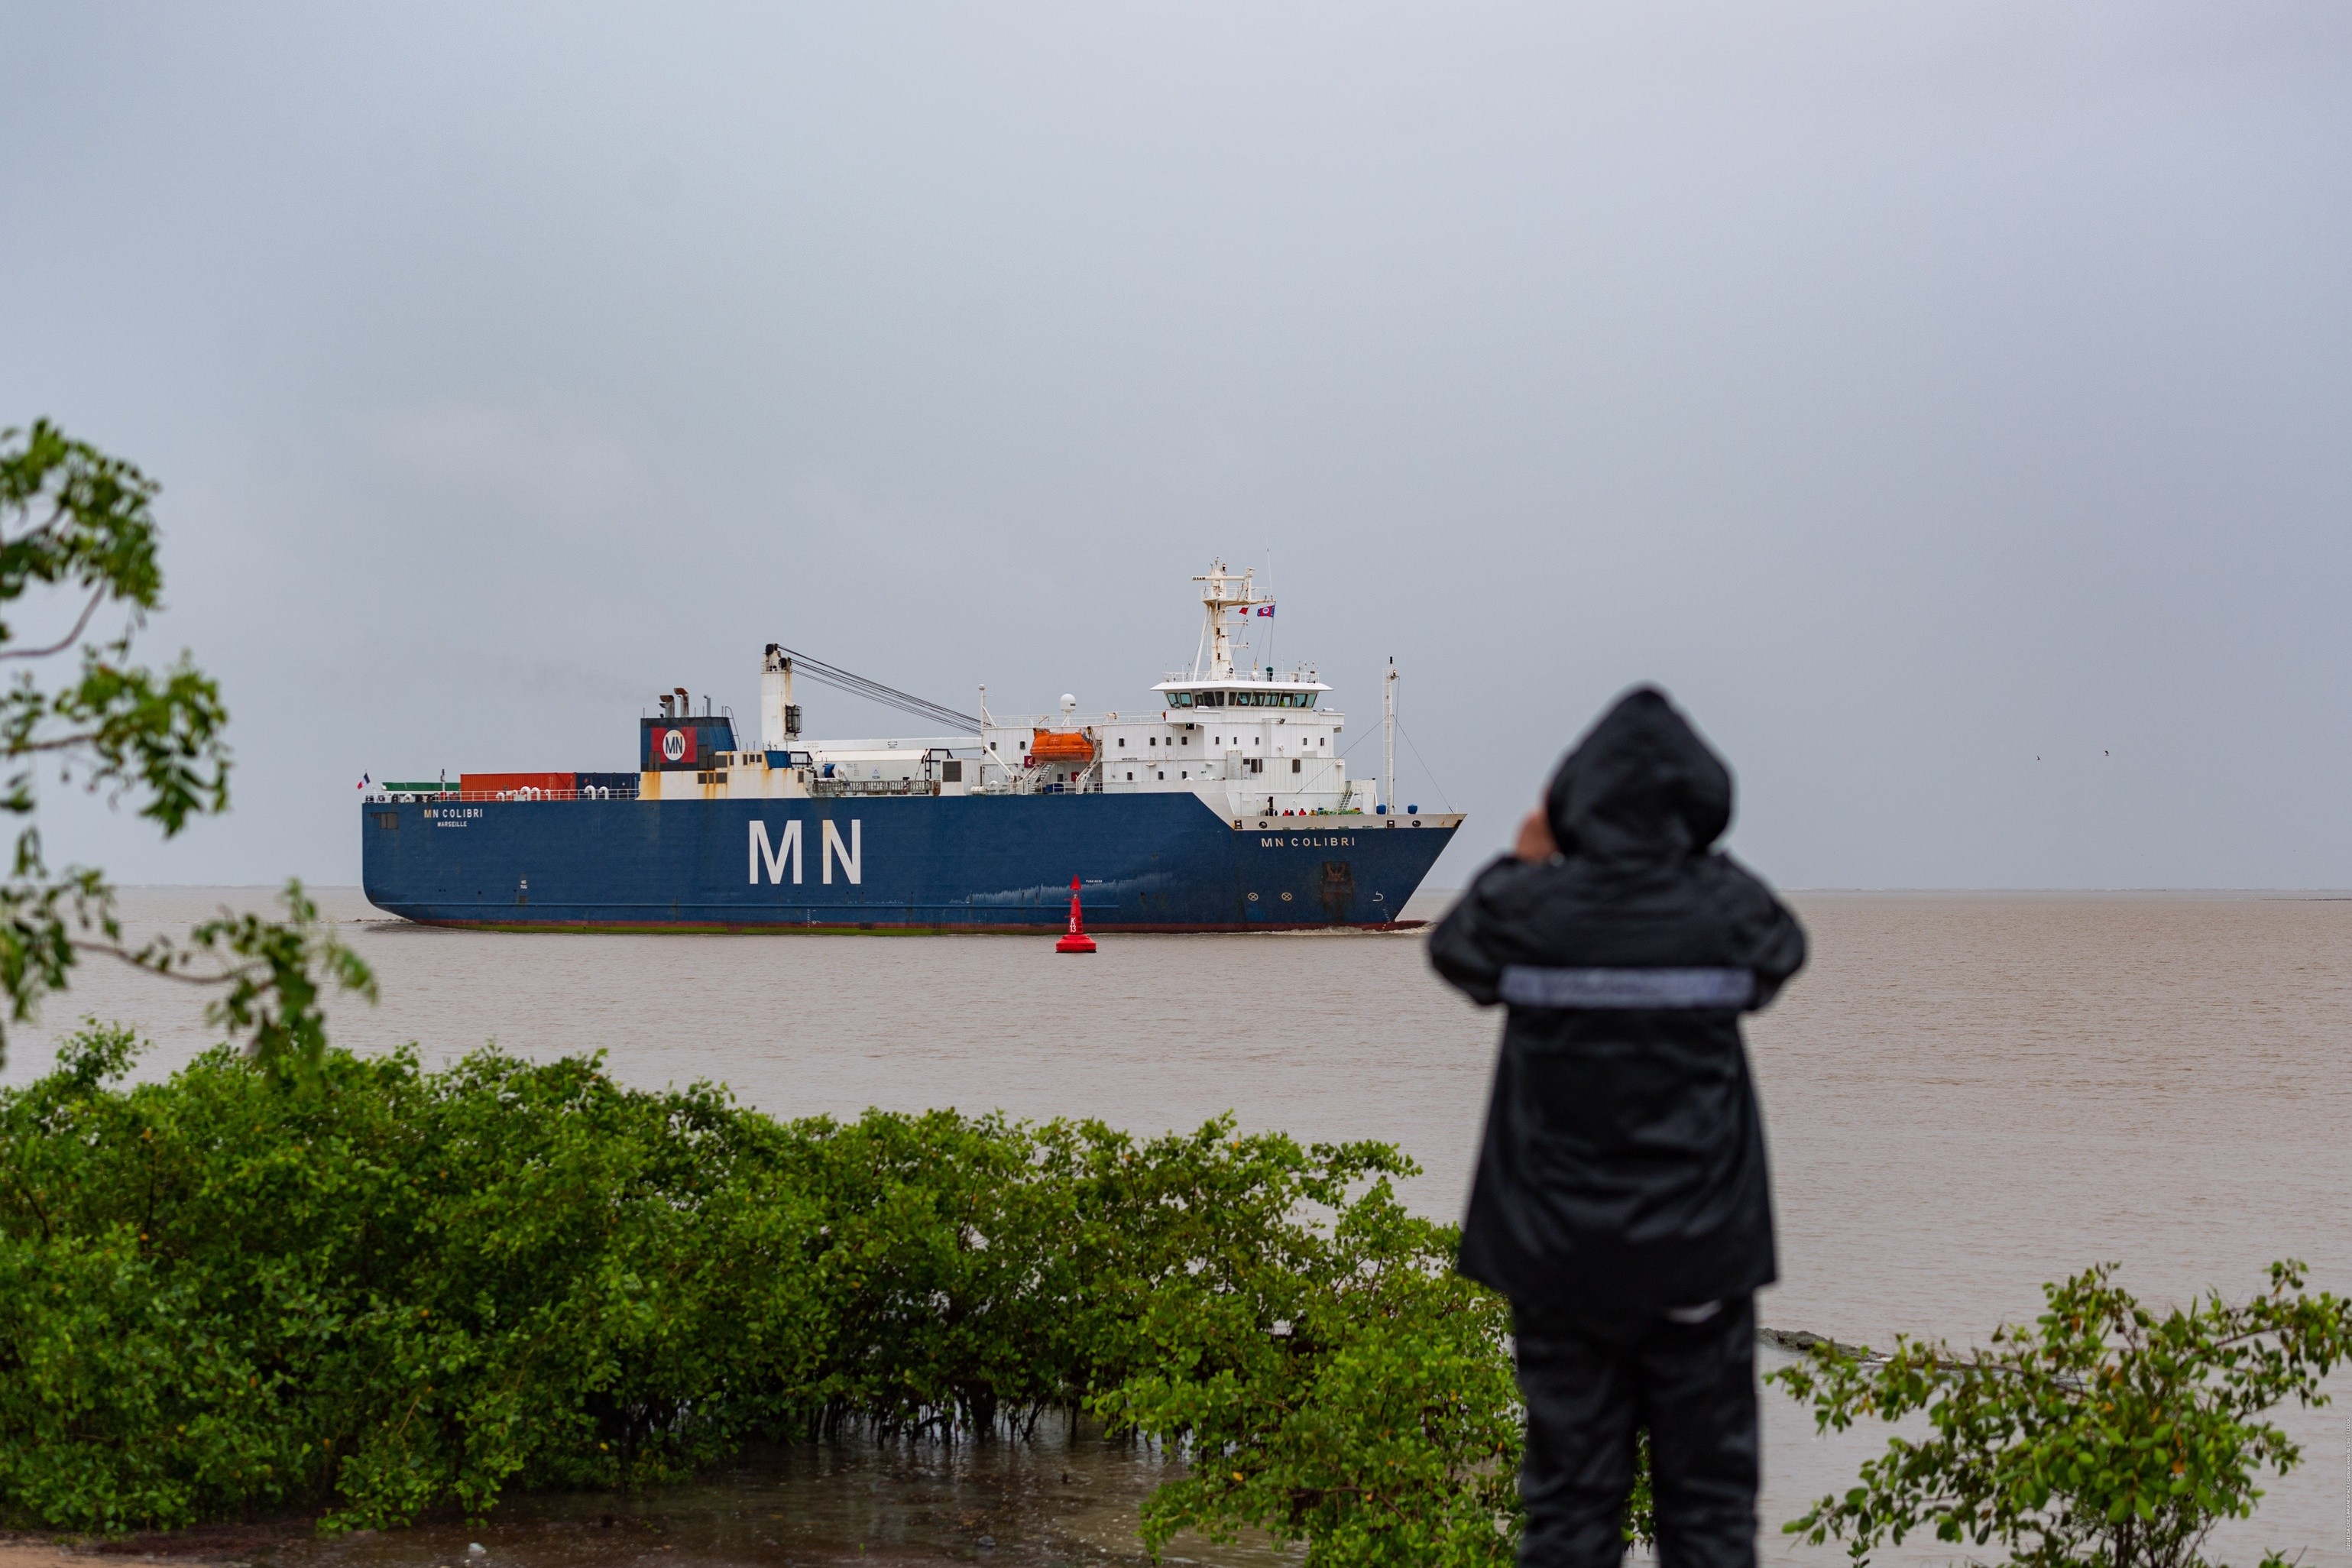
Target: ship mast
point(1387, 738)
point(1222, 590)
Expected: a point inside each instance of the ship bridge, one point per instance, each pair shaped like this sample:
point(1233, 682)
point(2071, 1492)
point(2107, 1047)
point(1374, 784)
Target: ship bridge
point(1182, 692)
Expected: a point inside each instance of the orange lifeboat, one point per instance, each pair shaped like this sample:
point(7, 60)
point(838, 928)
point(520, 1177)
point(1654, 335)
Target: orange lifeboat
point(1062, 746)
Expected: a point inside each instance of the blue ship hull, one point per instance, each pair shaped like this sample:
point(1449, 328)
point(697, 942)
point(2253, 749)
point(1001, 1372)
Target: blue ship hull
point(1146, 862)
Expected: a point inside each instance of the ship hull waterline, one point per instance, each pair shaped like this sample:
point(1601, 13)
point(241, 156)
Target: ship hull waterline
point(889, 864)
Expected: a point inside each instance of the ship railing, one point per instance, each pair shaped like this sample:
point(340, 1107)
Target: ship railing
point(1032, 784)
point(872, 786)
point(468, 796)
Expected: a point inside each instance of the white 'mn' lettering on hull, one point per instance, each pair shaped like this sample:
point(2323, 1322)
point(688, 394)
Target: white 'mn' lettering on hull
point(787, 843)
point(848, 852)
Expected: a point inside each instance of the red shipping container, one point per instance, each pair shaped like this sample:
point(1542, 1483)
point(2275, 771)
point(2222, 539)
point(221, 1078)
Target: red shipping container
point(506, 783)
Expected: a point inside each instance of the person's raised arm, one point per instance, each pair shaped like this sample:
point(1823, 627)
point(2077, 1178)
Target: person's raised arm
point(1771, 941)
point(1458, 947)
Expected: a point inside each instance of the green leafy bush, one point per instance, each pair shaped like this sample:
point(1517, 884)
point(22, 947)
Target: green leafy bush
point(379, 1292)
point(374, 1291)
point(2104, 1433)
point(1352, 1394)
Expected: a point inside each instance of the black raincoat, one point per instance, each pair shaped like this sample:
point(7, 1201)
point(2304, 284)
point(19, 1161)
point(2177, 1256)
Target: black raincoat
point(1622, 1168)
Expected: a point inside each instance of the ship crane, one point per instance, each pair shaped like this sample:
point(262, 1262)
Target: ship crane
point(786, 662)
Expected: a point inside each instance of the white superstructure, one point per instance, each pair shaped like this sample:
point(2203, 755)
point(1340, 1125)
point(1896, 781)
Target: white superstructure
point(1247, 739)
point(1252, 741)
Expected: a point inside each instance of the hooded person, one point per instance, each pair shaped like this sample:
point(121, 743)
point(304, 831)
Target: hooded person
point(1621, 1200)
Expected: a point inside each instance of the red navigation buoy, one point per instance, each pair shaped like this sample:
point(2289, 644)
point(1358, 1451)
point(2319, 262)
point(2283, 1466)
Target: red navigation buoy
point(1076, 939)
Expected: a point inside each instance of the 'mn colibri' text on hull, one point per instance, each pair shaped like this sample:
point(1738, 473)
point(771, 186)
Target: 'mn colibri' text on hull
point(1224, 806)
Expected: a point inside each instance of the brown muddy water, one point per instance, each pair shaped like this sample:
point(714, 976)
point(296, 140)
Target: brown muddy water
point(1967, 1095)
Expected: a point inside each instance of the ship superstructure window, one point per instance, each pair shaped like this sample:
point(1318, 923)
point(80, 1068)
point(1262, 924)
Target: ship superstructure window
point(1197, 700)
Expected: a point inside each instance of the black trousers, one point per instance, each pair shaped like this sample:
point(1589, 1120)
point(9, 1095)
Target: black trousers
point(1590, 1386)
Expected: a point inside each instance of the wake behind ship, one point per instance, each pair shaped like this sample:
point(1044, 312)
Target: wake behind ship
point(1224, 805)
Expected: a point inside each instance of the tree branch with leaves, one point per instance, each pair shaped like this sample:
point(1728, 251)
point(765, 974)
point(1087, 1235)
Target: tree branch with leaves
point(2103, 1434)
point(77, 527)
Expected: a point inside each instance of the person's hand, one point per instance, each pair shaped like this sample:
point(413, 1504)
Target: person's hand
point(1536, 843)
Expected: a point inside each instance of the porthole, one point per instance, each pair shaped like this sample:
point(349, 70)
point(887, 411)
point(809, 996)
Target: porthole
point(1285, 898)
point(1252, 898)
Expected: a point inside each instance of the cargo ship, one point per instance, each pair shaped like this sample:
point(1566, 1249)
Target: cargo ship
point(1224, 802)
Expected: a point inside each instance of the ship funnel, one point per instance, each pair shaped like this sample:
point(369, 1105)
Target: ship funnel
point(780, 721)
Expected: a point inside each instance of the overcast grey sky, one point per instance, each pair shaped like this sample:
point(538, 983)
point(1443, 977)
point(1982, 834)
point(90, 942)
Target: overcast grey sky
point(1917, 391)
